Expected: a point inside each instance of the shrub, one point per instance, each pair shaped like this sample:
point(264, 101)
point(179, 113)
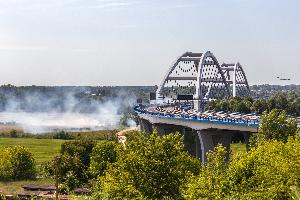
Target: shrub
point(72, 165)
point(211, 181)
point(17, 163)
point(268, 171)
point(275, 125)
point(150, 167)
point(103, 154)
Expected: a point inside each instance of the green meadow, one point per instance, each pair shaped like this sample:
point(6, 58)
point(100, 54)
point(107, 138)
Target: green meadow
point(42, 149)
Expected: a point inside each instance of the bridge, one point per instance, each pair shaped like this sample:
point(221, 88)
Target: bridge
point(179, 104)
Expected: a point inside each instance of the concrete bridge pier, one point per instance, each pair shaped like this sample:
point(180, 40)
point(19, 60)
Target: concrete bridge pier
point(209, 139)
point(246, 138)
point(159, 129)
point(145, 126)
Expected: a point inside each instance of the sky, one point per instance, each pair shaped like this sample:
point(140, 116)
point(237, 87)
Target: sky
point(134, 42)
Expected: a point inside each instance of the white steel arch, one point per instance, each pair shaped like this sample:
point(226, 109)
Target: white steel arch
point(200, 75)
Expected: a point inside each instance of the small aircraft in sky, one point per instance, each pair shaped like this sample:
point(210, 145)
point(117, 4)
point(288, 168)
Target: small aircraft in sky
point(283, 79)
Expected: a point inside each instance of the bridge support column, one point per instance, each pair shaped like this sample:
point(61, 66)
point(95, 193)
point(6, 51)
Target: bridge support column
point(159, 128)
point(210, 139)
point(145, 126)
point(246, 138)
point(198, 149)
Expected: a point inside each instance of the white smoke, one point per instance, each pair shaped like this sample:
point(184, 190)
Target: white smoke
point(45, 114)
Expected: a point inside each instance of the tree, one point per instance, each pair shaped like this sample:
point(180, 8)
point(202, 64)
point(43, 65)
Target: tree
point(17, 163)
point(294, 107)
point(23, 163)
point(150, 167)
point(269, 171)
point(259, 106)
point(211, 181)
point(103, 154)
point(275, 125)
point(72, 170)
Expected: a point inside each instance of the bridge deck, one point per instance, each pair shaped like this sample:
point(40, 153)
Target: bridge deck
point(193, 119)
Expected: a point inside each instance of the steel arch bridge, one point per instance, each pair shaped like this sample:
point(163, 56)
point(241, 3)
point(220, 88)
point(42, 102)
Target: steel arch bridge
point(201, 75)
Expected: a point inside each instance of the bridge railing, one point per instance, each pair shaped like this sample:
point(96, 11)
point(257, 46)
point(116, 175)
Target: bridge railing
point(199, 117)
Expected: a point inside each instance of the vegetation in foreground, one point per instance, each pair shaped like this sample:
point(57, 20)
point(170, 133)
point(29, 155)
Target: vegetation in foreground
point(158, 167)
point(42, 149)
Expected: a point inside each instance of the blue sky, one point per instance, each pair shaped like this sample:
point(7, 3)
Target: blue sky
point(134, 42)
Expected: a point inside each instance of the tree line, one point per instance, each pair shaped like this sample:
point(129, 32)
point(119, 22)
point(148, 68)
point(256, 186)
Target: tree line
point(288, 101)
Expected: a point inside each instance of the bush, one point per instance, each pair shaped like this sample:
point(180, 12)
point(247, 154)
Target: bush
point(211, 181)
point(17, 163)
point(275, 125)
point(72, 165)
point(103, 154)
point(150, 167)
point(269, 171)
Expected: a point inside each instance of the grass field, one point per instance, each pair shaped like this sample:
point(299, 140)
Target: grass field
point(42, 149)
point(237, 147)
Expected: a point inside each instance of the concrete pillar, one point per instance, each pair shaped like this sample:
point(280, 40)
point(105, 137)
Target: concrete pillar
point(209, 139)
point(141, 128)
point(246, 138)
point(159, 129)
point(146, 126)
point(198, 148)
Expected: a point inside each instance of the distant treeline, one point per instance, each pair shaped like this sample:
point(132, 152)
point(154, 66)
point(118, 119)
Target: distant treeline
point(67, 98)
point(266, 90)
point(288, 101)
point(64, 135)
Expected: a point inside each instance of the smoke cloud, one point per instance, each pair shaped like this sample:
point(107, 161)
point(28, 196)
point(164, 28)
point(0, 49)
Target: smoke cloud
point(38, 112)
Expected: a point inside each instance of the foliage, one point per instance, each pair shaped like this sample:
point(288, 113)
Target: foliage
point(269, 171)
point(275, 125)
point(288, 101)
point(16, 163)
point(10, 131)
point(42, 149)
point(62, 135)
point(71, 166)
point(103, 154)
point(211, 181)
point(153, 167)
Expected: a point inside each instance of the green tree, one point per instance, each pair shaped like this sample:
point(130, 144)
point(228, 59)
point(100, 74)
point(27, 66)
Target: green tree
point(278, 101)
point(72, 170)
point(103, 154)
point(211, 181)
point(17, 163)
point(275, 125)
point(150, 167)
point(259, 106)
point(294, 107)
point(269, 171)
point(23, 163)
